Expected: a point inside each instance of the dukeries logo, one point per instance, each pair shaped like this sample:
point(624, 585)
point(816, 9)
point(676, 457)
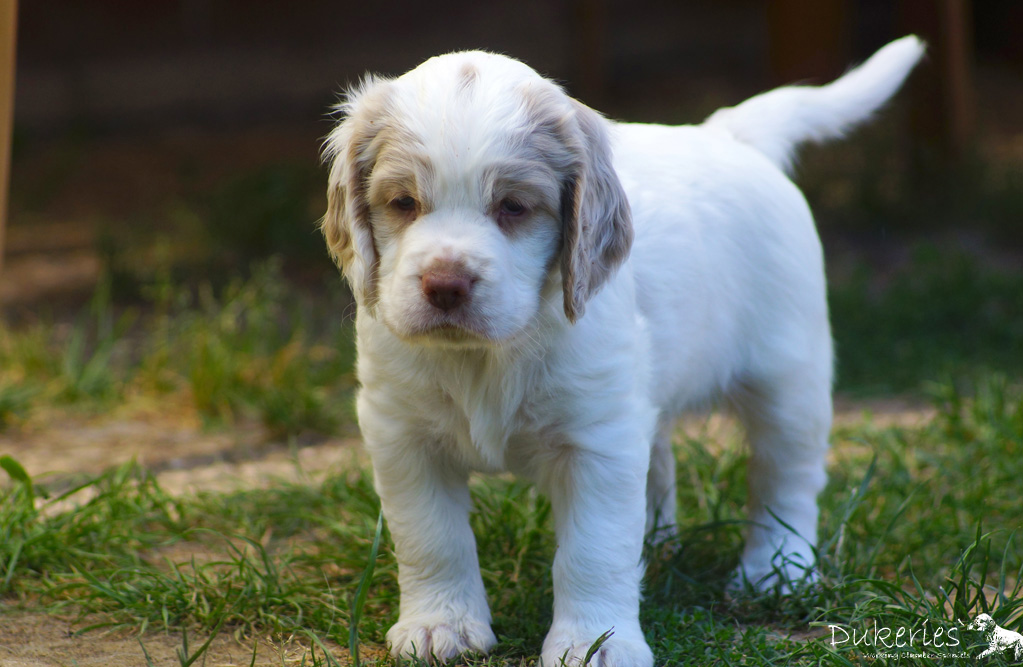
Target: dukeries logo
point(930, 639)
point(883, 642)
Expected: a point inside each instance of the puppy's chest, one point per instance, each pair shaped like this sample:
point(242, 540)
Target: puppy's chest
point(489, 418)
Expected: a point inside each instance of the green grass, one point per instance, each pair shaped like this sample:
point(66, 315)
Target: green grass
point(917, 528)
point(256, 348)
point(943, 314)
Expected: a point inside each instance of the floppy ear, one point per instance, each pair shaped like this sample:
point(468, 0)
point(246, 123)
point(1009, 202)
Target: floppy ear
point(351, 150)
point(596, 219)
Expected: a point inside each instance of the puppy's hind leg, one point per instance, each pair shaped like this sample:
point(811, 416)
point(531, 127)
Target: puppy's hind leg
point(661, 497)
point(787, 418)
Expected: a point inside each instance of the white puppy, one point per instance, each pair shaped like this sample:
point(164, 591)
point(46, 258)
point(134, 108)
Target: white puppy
point(999, 639)
point(543, 291)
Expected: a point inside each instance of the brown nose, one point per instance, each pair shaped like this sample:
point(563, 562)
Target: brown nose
point(446, 288)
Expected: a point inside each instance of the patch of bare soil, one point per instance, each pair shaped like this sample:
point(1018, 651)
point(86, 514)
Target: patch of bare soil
point(883, 412)
point(31, 639)
point(174, 445)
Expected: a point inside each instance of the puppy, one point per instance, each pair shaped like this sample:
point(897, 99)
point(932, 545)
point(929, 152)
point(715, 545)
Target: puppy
point(543, 291)
point(998, 638)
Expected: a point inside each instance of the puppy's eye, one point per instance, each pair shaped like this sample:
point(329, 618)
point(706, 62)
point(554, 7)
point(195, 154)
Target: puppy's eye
point(404, 203)
point(512, 208)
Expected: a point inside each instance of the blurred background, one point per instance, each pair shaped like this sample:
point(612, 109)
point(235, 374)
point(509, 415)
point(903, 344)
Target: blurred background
point(165, 160)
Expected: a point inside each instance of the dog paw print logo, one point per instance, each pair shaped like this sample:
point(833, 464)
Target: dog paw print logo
point(999, 640)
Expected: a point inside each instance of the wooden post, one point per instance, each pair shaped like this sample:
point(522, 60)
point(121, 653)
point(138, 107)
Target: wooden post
point(8, 40)
point(809, 40)
point(590, 24)
point(943, 101)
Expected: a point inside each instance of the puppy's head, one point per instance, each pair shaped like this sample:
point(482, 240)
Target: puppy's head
point(982, 623)
point(464, 193)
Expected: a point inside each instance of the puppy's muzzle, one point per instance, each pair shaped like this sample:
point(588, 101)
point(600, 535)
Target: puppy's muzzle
point(447, 286)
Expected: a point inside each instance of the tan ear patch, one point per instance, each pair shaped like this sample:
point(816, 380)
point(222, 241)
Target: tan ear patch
point(596, 219)
point(351, 148)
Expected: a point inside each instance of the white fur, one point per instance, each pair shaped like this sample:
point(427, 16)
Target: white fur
point(574, 354)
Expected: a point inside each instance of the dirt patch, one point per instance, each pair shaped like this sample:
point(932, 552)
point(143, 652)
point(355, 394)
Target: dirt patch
point(30, 639)
point(888, 412)
point(174, 445)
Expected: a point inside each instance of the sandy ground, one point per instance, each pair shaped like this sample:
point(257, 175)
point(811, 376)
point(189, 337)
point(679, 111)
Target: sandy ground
point(41, 640)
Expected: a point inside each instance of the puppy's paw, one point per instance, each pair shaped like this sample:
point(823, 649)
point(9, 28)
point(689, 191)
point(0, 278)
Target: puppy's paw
point(439, 639)
point(564, 650)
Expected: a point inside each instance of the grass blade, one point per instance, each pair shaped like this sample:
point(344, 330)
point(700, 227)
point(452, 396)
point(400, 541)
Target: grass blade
point(331, 661)
point(595, 646)
point(18, 473)
point(362, 592)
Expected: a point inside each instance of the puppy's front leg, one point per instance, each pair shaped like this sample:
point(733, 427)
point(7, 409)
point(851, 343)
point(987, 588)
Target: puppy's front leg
point(599, 501)
point(426, 503)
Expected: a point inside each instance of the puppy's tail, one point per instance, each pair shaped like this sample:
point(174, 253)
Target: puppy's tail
point(776, 122)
